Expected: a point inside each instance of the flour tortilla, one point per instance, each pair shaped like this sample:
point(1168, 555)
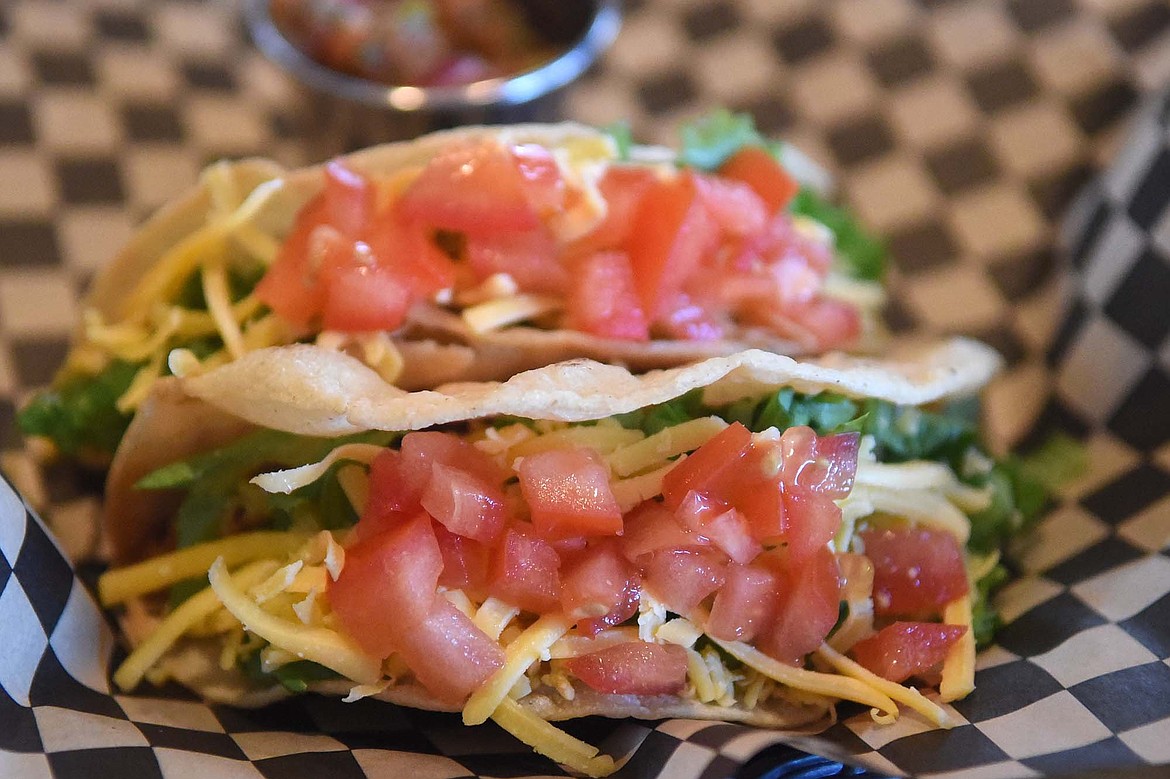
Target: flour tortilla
point(429, 329)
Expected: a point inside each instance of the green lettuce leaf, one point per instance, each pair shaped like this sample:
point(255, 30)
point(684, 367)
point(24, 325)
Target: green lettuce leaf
point(79, 415)
point(862, 255)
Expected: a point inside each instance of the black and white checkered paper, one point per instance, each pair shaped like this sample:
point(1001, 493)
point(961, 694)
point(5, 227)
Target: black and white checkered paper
point(959, 129)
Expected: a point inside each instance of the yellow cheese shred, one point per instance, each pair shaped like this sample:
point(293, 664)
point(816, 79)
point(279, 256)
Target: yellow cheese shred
point(522, 652)
point(831, 685)
point(958, 671)
point(122, 584)
point(493, 616)
point(900, 693)
point(321, 645)
point(666, 443)
point(602, 437)
point(630, 492)
point(551, 741)
point(192, 611)
point(219, 305)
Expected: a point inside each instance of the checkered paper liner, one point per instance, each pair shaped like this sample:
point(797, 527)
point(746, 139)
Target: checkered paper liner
point(934, 134)
point(1080, 676)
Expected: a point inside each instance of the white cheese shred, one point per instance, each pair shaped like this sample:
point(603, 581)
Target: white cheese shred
point(294, 478)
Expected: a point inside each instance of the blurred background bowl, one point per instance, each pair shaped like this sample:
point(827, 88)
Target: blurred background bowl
point(345, 111)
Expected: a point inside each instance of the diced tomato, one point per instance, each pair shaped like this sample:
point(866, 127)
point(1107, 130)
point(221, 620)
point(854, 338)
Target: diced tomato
point(387, 584)
point(476, 187)
point(835, 466)
point(543, 184)
point(349, 200)
point(812, 520)
point(760, 497)
point(682, 578)
point(756, 167)
point(421, 449)
point(622, 188)
point(906, 649)
point(448, 654)
point(736, 208)
point(726, 528)
point(830, 323)
point(633, 668)
point(568, 493)
point(674, 233)
point(361, 297)
point(410, 254)
point(395, 486)
point(465, 561)
point(702, 471)
point(289, 287)
point(466, 504)
point(744, 604)
point(651, 527)
point(529, 257)
point(916, 571)
point(525, 571)
point(806, 610)
point(600, 589)
point(683, 316)
point(602, 299)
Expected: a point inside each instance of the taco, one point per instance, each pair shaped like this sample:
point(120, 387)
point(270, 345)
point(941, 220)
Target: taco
point(746, 538)
point(474, 254)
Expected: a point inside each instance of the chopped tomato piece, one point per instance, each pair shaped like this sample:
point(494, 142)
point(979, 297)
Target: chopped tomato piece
point(674, 233)
point(349, 200)
point(477, 188)
point(683, 316)
point(726, 528)
point(736, 208)
point(448, 654)
point(813, 520)
point(682, 578)
point(466, 504)
point(361, 297)
point(633, 668)
point(410, 254)
point(289, 287)
point(395, 487)
point(465, 561)
point(525, 571)
point(529, 257)
point(651, 527)
point(806, 610)
point(568, 493)
point(387, 584)
point(906, 649)
point(622, 188)
point(423, 449)
point(745, 604)
point(602, 299)
point(756, 167)
point(916, 571)
point(830, 323)
point(600, 589)
point(702, 471)
point(543, 184)
point(832, 473)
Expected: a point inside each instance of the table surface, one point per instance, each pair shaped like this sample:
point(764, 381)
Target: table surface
point(959, 130)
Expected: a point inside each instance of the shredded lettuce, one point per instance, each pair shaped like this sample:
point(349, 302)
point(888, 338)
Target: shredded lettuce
point(622, 137)
point(294, 677)
point(862, 255)
point(709, 141)
point(79, 415)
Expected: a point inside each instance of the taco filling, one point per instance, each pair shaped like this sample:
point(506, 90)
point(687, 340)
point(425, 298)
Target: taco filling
point(473, 255)
point(751, 549)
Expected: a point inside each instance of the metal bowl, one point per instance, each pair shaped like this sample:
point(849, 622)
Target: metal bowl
point(582, 29)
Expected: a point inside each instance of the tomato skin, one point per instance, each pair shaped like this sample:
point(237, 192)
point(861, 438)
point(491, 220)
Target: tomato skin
point(467, 505)
point(674, 233)
point(529, 257)
point(465, 561)
point(475, 188)
point(756, 167)
point(682, 578)
point(448, 654)
point(544, 186)
point(702, 471)
point(599, 589)
point(289, 286)
point(917, 571)
point(633, 668)
point(622, 187)
point(725, 527)
point(906, 649)
point(603, 301)
point(394, 486)
point(806, 609)
point(525, 571)
point(361, 297)
point(651, 527)
point(387, 585)
point(745, 604)
point(568, 493)
point(734, 206)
